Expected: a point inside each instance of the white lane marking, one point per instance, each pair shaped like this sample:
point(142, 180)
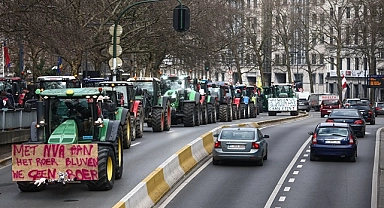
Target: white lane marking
point(291, 180)
point(305, 155)
point(178, 189)
point(285, 174)
point(295, 172)
point(303, 160)
point(287, 188)
point(282, 198)
point(136, 143)
point(170, 131)
point(375, 172)
point(307, 150)
point(299, 166)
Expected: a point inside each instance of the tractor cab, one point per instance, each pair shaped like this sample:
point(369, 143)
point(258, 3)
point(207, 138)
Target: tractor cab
point(57, 82)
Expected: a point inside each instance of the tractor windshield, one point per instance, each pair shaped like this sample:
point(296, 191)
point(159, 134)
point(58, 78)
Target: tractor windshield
point(144, 85)
point(5, 86)
point(79, 110)
point(175, 83)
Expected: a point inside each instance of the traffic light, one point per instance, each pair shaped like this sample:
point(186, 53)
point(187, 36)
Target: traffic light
point(206, 66)
point(181, 18)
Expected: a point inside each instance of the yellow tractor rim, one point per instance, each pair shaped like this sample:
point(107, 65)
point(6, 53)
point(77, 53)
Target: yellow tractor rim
point(119, 149)
point(109, 168)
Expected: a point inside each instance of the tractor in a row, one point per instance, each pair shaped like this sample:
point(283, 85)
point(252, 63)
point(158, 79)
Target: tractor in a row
point(71, 141)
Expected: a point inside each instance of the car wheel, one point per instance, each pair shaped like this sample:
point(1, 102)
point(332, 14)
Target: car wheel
point(322, 116)
point(312, 157)
point(353, 158)
point(215, 162)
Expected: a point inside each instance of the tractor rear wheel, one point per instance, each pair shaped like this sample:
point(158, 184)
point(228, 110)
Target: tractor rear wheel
point(210, 113)
point(204, 114)
point(157, 119)
point(189, 114)
point(168, 117)
point(29, 186)
point(127, 133)
point(223, 113)
point(242, 111)
point(197, 115)
point(235, 112)
point(119, 154)
point(107, 167)
point(252, 110)
point(214, 114)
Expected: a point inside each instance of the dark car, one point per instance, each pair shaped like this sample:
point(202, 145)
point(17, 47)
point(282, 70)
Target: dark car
point(333, 140)
point(246, 144)
point(366, 110)
point(379, 108)
point(328, 105)
point(351, 116)
point(304, 105)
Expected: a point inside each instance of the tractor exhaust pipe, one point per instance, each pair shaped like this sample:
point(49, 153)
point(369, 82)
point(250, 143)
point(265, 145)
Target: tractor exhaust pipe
point(40, 121)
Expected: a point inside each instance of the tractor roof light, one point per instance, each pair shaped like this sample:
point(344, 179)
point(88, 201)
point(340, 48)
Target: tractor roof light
point(69, 92)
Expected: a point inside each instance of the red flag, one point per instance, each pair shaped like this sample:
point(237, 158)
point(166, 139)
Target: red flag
point(6, 55)
point(344, 82)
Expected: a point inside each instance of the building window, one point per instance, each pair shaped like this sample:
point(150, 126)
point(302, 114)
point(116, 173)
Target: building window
point(356, 11)
point(321, 78)
point(313, 58)
point(314, 39)
point(277, 59)
point(314, 19)
point(332, 61)
point(365, 64)
point(322, 41)
point(322, 59)
point(356, 63)
point(284, 59)
point(331, 12)
point(348, 63)
point(248, 59)
point(248, 3)
point(313, 78)
point(255, 4)
point(322, 19)
point(356, 39)
point(347, 35)
point(340, 64)
point(348, 11)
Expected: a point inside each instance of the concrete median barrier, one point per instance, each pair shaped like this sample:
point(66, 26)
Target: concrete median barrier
point(148, 192)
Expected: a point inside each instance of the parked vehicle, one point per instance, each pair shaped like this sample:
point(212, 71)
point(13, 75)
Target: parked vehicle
point(379, 108)
point(333, 140)
point(367, 112)
point(246, 144)
point(350, 116)
point(304, 105)
point(328, 105)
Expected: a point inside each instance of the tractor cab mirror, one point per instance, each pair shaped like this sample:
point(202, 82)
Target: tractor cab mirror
point(215, 135)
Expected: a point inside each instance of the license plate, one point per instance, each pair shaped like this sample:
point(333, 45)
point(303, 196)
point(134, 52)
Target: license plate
point(332, 142)
point(236, 146)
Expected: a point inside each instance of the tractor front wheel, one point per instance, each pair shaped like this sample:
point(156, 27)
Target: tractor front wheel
point(189, 114)
point(29, 186)
point(127, 134)
point(140, 122)
point(119, 154)
point(107, 167)
point(167, 120)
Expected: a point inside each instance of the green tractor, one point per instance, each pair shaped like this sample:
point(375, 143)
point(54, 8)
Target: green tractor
point(129, 111)
point(211, 100)
point(72, 142)
point(282, 99)
point(156, 108)
point(188, 106)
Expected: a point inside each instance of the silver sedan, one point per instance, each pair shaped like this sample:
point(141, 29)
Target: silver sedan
point(245, 144)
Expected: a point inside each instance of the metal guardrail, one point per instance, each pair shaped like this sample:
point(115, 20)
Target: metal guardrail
point(16, 119)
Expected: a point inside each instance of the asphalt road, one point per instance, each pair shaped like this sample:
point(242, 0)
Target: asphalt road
point(145, 155)
point(287, 179)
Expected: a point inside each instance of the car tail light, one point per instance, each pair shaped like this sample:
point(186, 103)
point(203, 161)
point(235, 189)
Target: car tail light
point(217, 144)
point(329, 120)
point(321, 106)
point(358, 122)
point(255, 145)
point(370, 112)
point(351, 141)
point(339, 106)
point(377, 108)
point(314, 138)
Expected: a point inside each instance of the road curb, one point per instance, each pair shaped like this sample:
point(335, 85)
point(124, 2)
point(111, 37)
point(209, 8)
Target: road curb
point(160, 181)
point(5, 160)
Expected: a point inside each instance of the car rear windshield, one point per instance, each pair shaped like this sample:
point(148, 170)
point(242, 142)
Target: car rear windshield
point(330, 102)
point(380, 104)
point(349, 113)
point(238, 135)
point(329, 131)
point(360, 107)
